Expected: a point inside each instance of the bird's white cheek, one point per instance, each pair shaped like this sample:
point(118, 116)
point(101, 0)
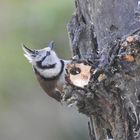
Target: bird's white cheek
point(44, 63)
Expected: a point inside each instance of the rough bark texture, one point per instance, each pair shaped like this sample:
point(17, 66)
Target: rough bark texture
point(98, 33)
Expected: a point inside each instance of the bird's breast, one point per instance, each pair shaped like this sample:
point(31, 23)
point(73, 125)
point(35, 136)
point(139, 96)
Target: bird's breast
point(50, 85)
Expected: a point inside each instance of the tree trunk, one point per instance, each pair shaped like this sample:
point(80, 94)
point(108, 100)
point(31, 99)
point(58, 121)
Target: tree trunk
point(98, 32)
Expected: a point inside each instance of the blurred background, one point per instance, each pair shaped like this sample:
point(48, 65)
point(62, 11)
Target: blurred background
point(26, 112)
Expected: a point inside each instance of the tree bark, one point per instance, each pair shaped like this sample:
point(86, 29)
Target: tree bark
point(97, 32)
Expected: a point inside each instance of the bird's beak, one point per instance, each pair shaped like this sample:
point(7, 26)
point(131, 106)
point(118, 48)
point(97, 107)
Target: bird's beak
point(51, 45)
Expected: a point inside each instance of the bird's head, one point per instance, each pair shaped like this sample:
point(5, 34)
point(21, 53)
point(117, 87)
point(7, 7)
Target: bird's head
point(42, 59)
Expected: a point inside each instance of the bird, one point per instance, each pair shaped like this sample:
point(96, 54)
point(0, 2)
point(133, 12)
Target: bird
point(49, 69)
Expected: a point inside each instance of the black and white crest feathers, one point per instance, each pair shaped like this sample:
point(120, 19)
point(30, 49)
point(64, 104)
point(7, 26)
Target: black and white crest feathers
point(45, 60)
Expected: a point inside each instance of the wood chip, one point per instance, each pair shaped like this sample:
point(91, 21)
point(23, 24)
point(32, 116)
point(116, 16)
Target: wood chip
point(101, 77)
point(128, 58)
point(130, 39)
point(125, 44)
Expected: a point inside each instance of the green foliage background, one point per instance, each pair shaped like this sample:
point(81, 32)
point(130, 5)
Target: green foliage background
point(26, 112)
